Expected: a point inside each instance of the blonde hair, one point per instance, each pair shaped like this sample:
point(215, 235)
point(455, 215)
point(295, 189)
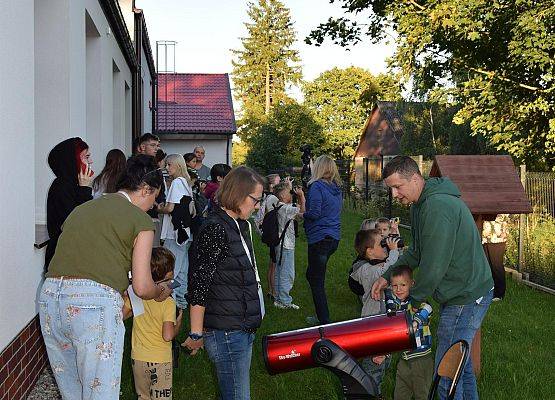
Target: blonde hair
point(325, 168)
point(179, 162)
point(368, 224)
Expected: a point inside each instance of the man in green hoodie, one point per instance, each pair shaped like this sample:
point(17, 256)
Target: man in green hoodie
point(447, 249)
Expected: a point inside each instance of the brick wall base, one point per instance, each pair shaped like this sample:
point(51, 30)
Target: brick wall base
point(21, 362)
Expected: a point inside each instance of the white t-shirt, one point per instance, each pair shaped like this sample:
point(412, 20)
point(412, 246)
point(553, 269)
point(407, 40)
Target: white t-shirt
point(285, 213)
point(179, 188)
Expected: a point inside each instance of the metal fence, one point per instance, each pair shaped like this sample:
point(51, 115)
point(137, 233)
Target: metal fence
point(537, 230)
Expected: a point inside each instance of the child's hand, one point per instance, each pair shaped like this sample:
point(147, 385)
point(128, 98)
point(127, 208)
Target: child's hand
point(392, 242)
point(378, 287)
point(166, 292)
point(378, 360)
point(394, 225)
point(288, 181)
point(179, 316)
point(415, 325)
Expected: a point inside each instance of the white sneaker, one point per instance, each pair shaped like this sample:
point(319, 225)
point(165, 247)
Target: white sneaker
point(278, 304)
point(291, 306)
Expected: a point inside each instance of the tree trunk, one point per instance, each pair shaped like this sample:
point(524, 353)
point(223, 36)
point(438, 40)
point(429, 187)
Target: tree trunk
point(267, 88)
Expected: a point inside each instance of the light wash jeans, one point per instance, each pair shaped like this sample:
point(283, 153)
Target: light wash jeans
point(231, 353)
point(82, 326)
point(455, 323)
point(285, 274)
point(181, 269)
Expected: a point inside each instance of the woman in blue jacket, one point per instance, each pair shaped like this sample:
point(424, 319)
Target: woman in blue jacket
point(322, 222)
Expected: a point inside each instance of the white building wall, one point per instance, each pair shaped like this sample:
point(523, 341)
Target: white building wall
point(147, 94)
point(21, 264)
point(215, 149)
point(74, 85)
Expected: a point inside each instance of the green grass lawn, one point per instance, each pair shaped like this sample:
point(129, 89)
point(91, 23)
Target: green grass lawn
point(518, 340)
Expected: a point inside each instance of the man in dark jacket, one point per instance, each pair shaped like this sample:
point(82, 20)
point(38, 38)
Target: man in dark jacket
point(447, 249)
point(70, 161)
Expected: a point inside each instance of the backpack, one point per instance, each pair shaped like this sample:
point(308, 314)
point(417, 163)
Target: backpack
point(354, 285)
point(270, 227)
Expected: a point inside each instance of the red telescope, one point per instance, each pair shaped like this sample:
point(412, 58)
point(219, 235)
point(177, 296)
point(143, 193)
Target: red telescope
point(380, 334)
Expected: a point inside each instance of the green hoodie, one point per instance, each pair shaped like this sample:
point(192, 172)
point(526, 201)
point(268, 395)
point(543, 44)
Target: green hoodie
point(446, 247)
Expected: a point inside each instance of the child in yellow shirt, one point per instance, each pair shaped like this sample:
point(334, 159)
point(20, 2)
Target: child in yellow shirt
point(152, 334)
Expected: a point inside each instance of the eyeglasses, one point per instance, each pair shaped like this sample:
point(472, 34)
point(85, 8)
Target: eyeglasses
point(256, 201)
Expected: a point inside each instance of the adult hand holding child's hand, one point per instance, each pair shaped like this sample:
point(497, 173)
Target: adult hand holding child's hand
point(193, 345)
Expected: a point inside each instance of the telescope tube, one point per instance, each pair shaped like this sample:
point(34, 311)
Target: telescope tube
point(362, 337)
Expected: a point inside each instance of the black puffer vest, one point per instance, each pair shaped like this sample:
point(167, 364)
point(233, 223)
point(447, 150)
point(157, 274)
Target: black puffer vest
point(232, 301)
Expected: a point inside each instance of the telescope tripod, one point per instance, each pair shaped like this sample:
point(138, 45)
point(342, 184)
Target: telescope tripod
point(356, 384)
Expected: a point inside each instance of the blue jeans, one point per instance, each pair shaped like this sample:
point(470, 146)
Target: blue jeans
point(82, 326)
point(455, 323)
point(377, 372)
point(231, 353)
point(285, 274)
point(318, 256)
point(181, 269)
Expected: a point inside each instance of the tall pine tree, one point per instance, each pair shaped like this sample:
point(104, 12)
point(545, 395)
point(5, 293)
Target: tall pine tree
point(267, 63)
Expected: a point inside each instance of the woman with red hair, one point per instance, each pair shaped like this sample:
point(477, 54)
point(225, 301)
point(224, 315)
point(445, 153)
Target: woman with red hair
point(71, 162)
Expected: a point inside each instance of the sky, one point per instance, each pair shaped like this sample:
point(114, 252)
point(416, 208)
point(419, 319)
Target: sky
point(207, 30)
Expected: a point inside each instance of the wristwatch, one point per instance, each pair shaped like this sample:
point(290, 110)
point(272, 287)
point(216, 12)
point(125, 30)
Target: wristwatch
point(195, 336)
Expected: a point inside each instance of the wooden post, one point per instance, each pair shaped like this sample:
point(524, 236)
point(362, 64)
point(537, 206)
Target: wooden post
point(366, 179)
point(522, 225)
point(476, 350)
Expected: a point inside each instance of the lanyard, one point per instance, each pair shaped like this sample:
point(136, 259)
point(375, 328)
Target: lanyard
point(253, 263)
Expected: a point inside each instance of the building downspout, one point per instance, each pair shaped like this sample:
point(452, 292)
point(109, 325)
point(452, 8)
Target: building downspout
point(137, 81)
point(227, 151)
point(154, 103)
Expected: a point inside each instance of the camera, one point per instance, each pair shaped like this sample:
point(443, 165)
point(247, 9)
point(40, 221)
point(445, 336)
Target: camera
point(400, 242)
point(306, 157)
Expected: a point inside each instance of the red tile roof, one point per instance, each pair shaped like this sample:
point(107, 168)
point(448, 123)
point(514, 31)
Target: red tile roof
point(194, 103)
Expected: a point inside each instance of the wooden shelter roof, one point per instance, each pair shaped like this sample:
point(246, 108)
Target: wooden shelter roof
point(489, 184)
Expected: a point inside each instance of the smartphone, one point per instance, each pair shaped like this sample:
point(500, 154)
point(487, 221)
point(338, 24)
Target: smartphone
point(174, 284)
point(83, 168)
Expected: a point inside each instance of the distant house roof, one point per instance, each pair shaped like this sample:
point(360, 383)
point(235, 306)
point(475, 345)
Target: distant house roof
point(386, 124)
point(391, 111)
point(194, 103)
point(382, 132)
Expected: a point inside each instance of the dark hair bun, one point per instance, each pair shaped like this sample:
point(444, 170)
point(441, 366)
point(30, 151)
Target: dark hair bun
point(141, 169)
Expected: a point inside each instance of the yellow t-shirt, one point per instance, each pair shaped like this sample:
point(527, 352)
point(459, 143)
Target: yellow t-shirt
point(147, 343)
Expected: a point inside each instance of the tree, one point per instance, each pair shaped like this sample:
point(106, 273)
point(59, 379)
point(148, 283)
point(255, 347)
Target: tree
point(239, 152)
point(275, 144)
point(341, 100)
point(496, 57)
point(267, 63)
point(428, 130)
